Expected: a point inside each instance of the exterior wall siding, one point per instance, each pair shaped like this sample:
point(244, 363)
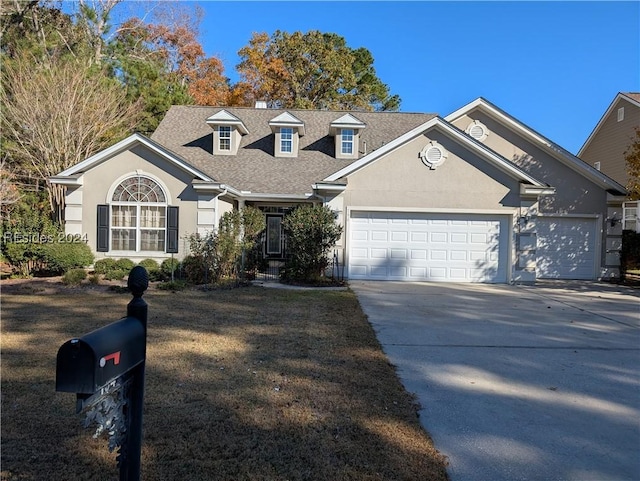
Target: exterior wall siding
point(611, 141)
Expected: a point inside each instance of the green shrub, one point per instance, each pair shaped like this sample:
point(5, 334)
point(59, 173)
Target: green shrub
point(172, 285)
point(115, 274)
point(24, 258)
point(194, 270)
point(149, 265)
point(59, 257)
point(311, 232)
point(153, 269)
point(25, 231)
point(94, 279)
point(74, 277)
point(125, 264)
point(102, 266)
point(169, 266)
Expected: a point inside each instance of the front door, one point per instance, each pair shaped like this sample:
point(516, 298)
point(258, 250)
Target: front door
point(274, 236)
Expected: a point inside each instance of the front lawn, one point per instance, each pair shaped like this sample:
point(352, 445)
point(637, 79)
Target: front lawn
point(241, 384)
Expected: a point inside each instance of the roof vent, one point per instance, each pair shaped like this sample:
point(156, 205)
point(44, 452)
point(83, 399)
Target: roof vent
point(261, 104)
point(433, 155)
point(477, 130)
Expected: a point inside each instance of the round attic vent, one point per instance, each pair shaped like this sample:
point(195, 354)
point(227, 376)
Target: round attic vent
point(477, 130)
point(433, 155)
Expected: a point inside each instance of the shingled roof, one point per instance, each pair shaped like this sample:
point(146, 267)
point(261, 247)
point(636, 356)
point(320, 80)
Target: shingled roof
point(254, 168)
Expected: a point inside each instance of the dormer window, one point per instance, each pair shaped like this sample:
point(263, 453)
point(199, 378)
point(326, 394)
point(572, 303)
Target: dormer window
point(346, 131)
point(227, 132)
point(286, 140)
point(224, 137)
point(287, 129)
point(347, 141)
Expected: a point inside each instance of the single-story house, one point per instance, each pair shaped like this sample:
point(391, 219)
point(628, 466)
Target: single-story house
point(476, 196)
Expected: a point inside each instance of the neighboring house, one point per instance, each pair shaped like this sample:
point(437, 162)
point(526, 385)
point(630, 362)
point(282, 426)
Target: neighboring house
point(606, 145)
point(473, 197)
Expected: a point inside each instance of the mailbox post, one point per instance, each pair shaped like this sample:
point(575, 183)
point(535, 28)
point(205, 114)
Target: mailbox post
point(105, 368)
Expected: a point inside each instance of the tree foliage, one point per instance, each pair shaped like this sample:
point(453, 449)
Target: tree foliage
point(310, 70)
point(632, 158)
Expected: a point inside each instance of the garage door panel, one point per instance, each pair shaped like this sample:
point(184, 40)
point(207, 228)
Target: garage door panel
point(565, 248)
point(460, 248)
point(439, 237)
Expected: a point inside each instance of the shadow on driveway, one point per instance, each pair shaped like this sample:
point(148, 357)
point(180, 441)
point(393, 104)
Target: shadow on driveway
point(519, 382)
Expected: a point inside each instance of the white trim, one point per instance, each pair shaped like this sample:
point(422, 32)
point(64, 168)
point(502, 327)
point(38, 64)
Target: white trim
point(126, 144)
point(329, 187)
point(222, 117)
point(554, 149)
point(430, 210)
point(74, 180)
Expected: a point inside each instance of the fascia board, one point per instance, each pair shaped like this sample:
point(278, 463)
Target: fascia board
point(448, 129)
point(533, 190)
point(215, 187)
point(329, 187)
point(72, 180)
point(604, 117)
point(256, 196)
point(463, 110)
point(127, 144)
point(554, 149)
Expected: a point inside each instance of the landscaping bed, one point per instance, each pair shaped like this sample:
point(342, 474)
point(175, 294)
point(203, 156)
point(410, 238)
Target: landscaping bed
point(241, 384)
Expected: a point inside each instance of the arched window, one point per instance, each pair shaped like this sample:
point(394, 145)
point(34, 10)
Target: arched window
point(138, 215)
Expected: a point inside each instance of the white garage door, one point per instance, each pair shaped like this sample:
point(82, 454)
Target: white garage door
point(566, 248)
point(428, 247)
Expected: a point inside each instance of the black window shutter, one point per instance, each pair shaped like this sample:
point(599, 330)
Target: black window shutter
point(103, 228)
point(172, 230)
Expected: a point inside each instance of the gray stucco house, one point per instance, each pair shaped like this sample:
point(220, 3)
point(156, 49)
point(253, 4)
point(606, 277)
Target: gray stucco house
point(475, 196)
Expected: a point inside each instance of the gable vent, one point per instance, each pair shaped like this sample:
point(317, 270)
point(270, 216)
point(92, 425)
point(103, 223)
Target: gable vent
point(433, 155)
point(477, 130)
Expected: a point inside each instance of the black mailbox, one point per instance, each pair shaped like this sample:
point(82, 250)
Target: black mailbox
point(86, 364)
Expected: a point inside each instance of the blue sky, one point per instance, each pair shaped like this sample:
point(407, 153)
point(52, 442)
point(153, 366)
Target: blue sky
point(556, 66)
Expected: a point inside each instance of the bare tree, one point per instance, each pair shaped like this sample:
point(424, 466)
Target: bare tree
point(54, 117)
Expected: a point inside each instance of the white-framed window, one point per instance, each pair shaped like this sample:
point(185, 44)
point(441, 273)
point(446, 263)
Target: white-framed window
point(224, 132)
point(631, 216)
point(286, 140)
point(346, 141)
point(138, 218)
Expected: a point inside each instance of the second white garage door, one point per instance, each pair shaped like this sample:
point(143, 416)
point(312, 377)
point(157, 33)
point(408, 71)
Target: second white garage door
point(428, 247)
point(566, 248)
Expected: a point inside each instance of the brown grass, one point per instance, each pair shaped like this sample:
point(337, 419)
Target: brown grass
point(242, 384)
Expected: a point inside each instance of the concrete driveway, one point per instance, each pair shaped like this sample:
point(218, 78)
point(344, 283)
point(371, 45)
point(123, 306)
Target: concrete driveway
point(519, 382)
